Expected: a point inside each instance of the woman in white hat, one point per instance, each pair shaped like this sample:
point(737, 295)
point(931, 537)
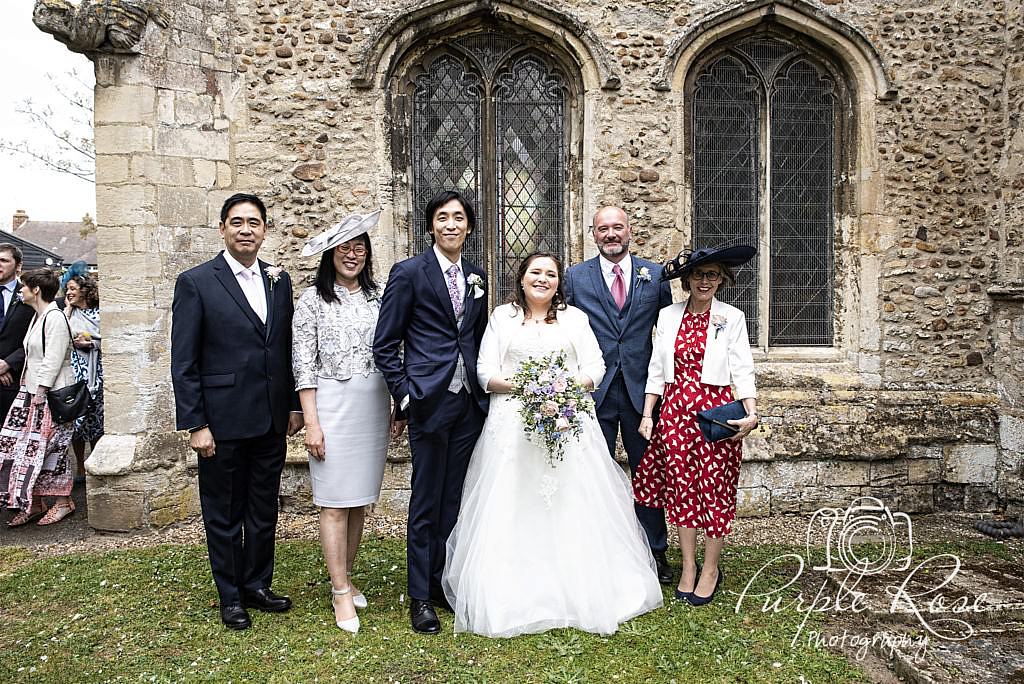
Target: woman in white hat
point(345, 401)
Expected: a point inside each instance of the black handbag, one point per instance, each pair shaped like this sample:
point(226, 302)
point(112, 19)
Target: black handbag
point(713, 423)
point(66, 403)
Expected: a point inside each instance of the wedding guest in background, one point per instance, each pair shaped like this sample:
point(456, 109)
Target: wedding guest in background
point(345, 401)
point(82, 307)
point(621, 295)
point(700, 349)
point(33, 448)
point(231, 348)
point(14, 319)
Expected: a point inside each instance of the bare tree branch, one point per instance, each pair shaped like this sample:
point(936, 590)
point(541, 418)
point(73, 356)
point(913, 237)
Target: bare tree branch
point(68, 150)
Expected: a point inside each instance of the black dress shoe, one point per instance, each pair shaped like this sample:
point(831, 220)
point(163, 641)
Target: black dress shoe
point(665, 574)
point(234, 616)
point(267, 601)
point(424, 619)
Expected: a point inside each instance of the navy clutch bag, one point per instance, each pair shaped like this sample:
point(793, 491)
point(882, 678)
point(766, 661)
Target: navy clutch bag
point(713, 423)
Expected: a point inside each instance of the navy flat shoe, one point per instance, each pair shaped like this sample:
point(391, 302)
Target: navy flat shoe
point(696, 600)
point(688, 595)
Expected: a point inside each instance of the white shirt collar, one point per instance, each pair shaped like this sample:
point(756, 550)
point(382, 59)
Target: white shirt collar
point(9, 285)
point(236, 267)
point(445, 263)
point(626, 265)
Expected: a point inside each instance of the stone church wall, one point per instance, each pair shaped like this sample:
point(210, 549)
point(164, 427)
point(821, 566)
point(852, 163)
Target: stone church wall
point(919, 402)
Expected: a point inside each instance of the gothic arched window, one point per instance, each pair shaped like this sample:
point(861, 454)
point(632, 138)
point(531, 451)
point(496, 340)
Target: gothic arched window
point(765, 124)
point(488, 114)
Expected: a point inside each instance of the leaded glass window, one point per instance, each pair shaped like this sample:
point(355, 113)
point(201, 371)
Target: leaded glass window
point(488, 116)
point(764, 129)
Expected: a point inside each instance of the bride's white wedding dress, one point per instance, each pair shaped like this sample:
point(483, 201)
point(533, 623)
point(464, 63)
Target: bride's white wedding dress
point(538, 547)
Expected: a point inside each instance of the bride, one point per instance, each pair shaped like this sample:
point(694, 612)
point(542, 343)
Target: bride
point(538, 546)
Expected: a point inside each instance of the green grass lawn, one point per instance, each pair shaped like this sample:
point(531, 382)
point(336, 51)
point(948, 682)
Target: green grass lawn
point(150, 615)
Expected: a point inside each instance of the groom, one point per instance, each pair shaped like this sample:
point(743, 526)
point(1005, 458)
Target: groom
point(622, 296)
point(435, 306)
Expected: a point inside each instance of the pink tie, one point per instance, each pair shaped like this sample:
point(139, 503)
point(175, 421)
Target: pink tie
point(618, 287)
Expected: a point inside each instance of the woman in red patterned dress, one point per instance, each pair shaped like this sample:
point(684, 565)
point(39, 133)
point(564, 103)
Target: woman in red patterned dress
point(700, 351)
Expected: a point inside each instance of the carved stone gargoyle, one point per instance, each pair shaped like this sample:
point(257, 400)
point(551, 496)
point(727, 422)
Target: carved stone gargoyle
point(98, 25)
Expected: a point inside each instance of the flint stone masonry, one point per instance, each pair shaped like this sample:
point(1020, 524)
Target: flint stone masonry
point(919, 402)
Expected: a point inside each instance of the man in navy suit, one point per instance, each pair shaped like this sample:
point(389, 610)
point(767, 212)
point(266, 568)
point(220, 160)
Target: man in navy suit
point(622, 295)
point(435, 306)
point(231, 344)
point(14, 320)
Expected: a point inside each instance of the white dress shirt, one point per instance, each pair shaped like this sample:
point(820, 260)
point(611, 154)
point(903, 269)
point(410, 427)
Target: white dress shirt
point(251, 281)
point(609, 277)
point(445, 265)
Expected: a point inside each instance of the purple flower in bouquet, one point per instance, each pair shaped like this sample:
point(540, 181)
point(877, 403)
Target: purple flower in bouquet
point(551, 403)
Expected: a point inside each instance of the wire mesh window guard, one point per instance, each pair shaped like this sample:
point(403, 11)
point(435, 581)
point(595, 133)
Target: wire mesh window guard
point(764, 132)
point(488, 117)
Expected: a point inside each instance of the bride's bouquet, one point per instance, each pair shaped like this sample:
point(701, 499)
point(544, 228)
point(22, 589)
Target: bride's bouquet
point(551, 401)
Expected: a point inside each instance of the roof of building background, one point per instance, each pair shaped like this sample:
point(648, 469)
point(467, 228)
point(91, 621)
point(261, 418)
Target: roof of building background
point(61, 237)
point(33, 256)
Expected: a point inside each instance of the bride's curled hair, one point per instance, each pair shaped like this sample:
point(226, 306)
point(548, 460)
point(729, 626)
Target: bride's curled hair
point(518, 296)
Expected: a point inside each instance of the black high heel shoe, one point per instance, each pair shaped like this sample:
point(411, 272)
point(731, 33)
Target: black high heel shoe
point(687, 595)
point(696, 600)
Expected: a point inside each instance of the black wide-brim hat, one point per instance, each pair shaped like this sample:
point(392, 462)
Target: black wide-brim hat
point(733, 256)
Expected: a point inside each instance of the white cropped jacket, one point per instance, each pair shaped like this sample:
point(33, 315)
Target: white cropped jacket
point(501, 329)
point(727, 357)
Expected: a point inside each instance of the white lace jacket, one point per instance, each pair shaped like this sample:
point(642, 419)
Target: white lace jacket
point(334, 340)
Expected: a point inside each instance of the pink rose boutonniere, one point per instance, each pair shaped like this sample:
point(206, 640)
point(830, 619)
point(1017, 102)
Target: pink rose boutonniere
point(273, 275)
point(718, 321)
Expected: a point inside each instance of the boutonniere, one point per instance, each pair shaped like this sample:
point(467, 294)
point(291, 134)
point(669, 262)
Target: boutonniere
point(476, 284)
point(273, 275)
point(718, 321)
point(644, 274)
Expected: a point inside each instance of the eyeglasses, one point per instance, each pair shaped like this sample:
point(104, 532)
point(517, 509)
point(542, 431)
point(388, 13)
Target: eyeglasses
point(710, 276)
point(357, 250)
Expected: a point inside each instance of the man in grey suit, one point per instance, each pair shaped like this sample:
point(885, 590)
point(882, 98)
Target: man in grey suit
point(622, 295)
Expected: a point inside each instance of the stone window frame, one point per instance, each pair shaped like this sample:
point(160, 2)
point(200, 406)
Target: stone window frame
point(398, 88)
point(843, 202)
point(855, 354)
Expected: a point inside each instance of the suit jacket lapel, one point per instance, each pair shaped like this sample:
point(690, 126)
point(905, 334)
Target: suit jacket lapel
point(603, 293)
point(227, 279)
point(10, 309)
point(432, 270)
point(268, 292)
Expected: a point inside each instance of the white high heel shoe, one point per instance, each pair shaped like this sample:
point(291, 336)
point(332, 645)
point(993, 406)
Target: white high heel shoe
point(352, 624)
point(358, 600)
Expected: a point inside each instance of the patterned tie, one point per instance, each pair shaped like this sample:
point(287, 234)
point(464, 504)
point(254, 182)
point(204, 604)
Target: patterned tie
point(618, 287)
point(453, 289)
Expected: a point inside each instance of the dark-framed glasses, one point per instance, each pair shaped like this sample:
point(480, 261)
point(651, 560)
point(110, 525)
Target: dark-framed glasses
point(710, 276)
